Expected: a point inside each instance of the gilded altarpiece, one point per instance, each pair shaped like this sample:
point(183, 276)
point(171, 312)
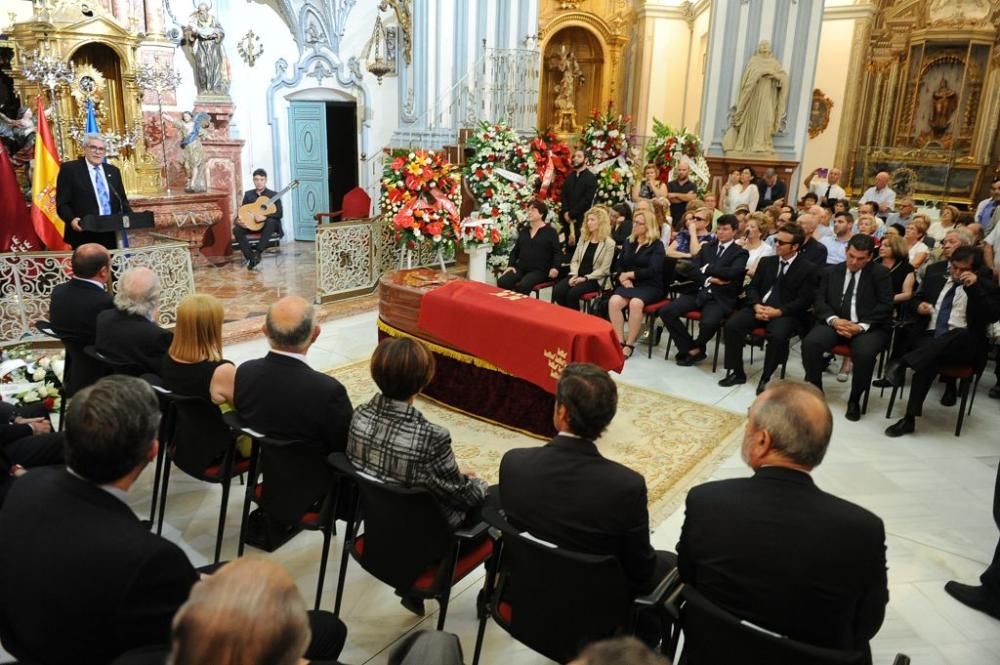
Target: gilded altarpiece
point(928, 107)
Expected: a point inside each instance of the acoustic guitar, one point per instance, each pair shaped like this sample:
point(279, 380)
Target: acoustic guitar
point(263, 206)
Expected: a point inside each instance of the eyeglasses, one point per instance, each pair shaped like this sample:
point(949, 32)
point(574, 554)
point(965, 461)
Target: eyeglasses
point(700, 219)
point(96, 148)
point(783, 242)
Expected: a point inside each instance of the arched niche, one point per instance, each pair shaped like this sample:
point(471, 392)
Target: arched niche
point(106, 61)
point(591, 55)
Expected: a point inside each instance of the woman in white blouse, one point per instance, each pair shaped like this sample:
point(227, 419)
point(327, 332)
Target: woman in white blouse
point(914, 237)
point(744, 192)
point(754, 243)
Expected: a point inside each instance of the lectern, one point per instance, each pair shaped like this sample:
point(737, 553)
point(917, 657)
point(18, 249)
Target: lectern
point(119, 223)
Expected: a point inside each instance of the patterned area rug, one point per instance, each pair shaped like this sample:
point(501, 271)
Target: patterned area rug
point(674, 443)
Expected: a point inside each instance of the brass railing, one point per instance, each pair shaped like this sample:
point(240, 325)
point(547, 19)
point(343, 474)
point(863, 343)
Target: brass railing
point(27, 280)
point(352, 256)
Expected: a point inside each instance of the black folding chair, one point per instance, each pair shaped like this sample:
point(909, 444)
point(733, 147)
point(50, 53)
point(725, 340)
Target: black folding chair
point(406, 541)
point(79, 371)
point(557, 601)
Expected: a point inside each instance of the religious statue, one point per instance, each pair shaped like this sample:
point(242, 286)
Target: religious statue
point(203, 45)
point(18, 137)
point(565, 101)
point(759, 112)
point(192, 128)
point(945, 102)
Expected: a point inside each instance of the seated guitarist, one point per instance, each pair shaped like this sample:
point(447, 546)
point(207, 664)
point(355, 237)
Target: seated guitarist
point(272, 223)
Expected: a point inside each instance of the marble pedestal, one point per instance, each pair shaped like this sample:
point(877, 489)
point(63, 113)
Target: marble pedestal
point(201, 220)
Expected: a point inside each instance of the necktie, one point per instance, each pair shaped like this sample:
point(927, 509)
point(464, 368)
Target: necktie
point(774, 297)
point(987, 214)
point(944, 311)
point(721, 250)
point(826, 197)
point(103, 199)
point(845, 304)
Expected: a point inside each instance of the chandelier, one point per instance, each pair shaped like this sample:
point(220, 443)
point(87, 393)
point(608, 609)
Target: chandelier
point(44, 68)
point(377, 52)
point(159, 80)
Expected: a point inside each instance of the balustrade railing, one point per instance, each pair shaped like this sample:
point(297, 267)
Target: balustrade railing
point(27, 280)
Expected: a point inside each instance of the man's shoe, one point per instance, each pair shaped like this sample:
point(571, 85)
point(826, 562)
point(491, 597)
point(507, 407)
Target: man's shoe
point(882, 383)
point(995, 391)
point(895, 374)
point(688, 360)
point(905, 425)
point(950, 396)
point(762, 385)
point(733, 379)
point(975, 597)
point(254, 261)
point(853, 412)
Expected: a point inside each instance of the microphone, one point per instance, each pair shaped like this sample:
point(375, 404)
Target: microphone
point(121, 203)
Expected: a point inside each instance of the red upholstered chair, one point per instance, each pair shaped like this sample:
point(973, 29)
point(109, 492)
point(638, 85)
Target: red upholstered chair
point(758, 337)
point(967, 377)
point(692, 316)
point(405, 540)
point(649, 314)
point(844, 350)
point(356, 204)
point(554, 600)
point(538, 288)
point(296, 473)
point(203, 447)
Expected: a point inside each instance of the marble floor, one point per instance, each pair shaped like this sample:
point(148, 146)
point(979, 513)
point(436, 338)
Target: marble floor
point(933, 491)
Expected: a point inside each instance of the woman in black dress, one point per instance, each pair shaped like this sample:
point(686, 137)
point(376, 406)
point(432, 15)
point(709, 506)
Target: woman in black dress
point(641, 279)
point(536, 256)
point(194, 366)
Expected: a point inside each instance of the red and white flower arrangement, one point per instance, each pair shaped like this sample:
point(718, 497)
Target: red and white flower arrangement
point(421, 197)
point(27, 377)
point(670, 146)
point(553, 162)
point(605, 142)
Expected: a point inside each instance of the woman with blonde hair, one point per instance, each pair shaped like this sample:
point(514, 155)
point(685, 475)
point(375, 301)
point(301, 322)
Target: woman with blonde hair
point(591, 262)
point(914, 235)
point(753, 241)
point(194, 365)
point(641, 279)
point(251, 613)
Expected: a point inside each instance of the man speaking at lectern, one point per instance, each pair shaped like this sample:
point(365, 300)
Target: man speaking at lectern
point(88, 186)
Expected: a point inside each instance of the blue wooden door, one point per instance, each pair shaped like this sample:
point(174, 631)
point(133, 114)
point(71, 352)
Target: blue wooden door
point(307, 134)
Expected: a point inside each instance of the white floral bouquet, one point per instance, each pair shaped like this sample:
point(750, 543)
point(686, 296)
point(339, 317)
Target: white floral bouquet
point(606, 144)
point(27, 377)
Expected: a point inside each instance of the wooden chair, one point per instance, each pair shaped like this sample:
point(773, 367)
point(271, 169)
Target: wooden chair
point(356, 204)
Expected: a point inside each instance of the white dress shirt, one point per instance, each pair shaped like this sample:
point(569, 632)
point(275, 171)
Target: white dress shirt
point(297, 356)
point(854, 299)
point(788, 266)
point(819, 189)
point(879, 196)
point(959, 305)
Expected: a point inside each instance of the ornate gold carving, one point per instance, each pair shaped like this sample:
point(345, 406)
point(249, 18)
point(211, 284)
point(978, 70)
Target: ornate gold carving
point(402, 10)
point(819, 114)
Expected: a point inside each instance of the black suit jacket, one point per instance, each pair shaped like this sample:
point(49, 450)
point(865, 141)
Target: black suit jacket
point(74, 307)
point(982, 308)
point(798, 288)
point(779, 552)
point(566, 493)
point(283, 397)
point(81, 580)
point(814, 252)
point(778, 191)
point(132, 339)
point(577, 197)
point(75, 197)
point(732, 266)
point(251, 195)
point(874, 294)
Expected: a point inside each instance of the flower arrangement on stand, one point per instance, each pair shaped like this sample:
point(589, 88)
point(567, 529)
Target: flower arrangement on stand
point(553, 162)
point(606, 144)
point(421, 197)
point(502, 177)
point(670, 146)
point(28, 377)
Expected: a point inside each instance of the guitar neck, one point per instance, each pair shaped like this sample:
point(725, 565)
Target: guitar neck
point(284, 191)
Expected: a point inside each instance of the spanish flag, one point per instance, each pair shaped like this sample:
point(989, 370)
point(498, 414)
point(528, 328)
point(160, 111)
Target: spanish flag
point(44, 218)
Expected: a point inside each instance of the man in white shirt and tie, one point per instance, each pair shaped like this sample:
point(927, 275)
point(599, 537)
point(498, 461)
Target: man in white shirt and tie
point(89, 186)
point(829, 191)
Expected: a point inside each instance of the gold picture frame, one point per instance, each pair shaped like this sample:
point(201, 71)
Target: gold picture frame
point(819, 113)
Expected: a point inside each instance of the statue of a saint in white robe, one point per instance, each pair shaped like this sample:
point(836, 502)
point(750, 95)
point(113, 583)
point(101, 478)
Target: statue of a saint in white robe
point(760, 109)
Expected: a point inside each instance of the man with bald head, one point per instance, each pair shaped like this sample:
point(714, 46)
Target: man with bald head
point(76, 303)
point(829, 191)
point(811, 250)
point(129, 334)
point(777, 551)
point(280, 395)
point(881, 195)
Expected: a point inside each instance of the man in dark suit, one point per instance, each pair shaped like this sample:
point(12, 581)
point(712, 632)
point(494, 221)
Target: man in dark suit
point(89, 186)
point(953, 312)
point(778, 299)
point(853, 306)
point(272, 223)
point(567, 494)
point(76, 303)
point(577, 193)
point(281, 395)
point(811, 250)
point(76, 556)
point(129, 334)
point(777, 551)
point(772, 190)
point(720, 266)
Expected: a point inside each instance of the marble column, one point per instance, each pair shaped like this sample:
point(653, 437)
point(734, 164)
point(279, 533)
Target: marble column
point(154, 17)
point(737, 27)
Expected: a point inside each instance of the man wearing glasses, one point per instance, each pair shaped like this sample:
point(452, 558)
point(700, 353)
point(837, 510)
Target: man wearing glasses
point(89, 186)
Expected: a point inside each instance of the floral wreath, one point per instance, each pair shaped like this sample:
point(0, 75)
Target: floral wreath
point(421, 198)
point(502, 177)
point(670, 146)
point(553, 162)
point(606, 145)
